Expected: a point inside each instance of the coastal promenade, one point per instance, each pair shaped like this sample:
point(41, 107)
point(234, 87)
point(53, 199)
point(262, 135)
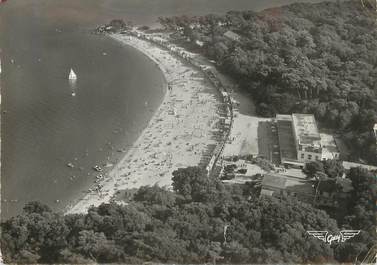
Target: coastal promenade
point(188, 122)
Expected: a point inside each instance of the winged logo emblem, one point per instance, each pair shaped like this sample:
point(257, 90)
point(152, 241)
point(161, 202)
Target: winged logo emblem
point(321, 235)
point(348, 234)
point(328, 238)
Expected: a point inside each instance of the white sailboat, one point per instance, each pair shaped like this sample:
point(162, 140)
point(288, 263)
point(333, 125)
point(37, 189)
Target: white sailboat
point(72, 75)
point(72, 80)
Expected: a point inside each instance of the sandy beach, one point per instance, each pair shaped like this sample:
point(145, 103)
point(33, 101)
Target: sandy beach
point(177, 136)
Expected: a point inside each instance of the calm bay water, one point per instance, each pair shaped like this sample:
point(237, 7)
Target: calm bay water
point(118, 89)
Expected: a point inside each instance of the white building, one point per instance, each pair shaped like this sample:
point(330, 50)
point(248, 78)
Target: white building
point(300, 140)
point(308, 139)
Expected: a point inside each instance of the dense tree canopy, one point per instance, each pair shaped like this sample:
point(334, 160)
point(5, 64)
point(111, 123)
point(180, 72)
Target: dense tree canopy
point(361, 214)
point(332, 168)
point(310, 58)
point(186, 227)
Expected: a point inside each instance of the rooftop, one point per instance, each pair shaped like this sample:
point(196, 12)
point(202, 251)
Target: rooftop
point(348, 165)
point(306, 129)
point(329, 146)
point(286, 139)
point(293, 185)
point(231, 35)
point(273, 181)
point(283, 117)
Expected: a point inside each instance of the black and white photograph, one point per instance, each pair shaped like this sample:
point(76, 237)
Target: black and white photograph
point(188, 131)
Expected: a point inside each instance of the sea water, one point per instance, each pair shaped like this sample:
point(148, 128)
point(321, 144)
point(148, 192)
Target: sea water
point(44, 127)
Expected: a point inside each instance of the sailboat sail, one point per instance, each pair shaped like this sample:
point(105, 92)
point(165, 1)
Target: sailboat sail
point(72, 75)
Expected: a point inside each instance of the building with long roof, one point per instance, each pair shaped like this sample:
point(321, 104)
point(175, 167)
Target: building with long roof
point(275, 184)
point(300, 140)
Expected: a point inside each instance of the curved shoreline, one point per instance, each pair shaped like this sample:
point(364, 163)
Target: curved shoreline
point(177, 135)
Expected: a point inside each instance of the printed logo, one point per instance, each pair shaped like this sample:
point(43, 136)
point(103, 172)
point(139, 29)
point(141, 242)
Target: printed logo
point(343, 236)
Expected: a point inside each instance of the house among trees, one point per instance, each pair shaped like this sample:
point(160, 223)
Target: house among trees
point(274, 184)
point(232, 36)
point(301, 142)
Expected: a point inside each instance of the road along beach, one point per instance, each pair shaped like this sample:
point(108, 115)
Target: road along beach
point(178, 135)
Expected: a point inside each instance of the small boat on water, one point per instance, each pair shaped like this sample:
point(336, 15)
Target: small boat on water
point(72, 78)
point(0, 66)
point(72, 75)
point(97, 168)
